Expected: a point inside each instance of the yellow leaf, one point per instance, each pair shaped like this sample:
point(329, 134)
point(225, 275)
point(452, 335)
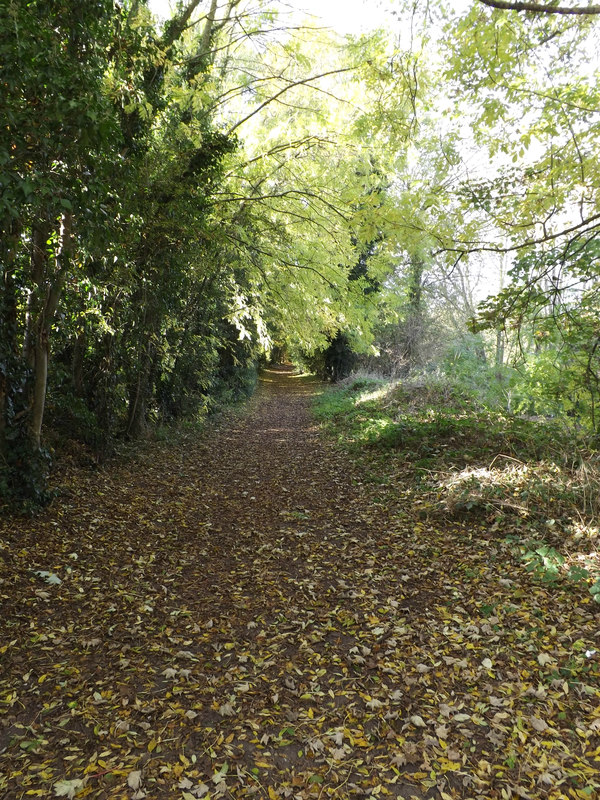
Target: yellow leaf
point(273, 794)
point(152, 745)
point(450, 766)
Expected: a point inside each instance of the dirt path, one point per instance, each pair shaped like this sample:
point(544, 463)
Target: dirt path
point(242, 616)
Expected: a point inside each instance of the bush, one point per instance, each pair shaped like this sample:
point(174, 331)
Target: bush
point(24, 476)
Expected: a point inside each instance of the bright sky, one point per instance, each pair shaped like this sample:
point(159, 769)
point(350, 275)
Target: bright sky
point(345, 16)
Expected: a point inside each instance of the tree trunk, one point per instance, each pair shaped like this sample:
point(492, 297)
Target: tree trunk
point(208, 28)
point(36, 300)
point(140, 384)
point(139, 393)
point(37, 345)
point(77, 363)
point(499, 349)
point(40, 380)
point(500, 338)
point(414, 322)
point(8, 326)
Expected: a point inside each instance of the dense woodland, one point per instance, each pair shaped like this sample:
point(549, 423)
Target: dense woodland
point(181, 202)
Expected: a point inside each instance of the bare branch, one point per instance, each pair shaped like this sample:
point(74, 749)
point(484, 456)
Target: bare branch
point(301, 193)
point(303, 82)
point(208, 28)
point(475, 247)
point(540, 9)
point(308, 141)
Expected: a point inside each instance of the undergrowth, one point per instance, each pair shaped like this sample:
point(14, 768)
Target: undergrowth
point(535, 480)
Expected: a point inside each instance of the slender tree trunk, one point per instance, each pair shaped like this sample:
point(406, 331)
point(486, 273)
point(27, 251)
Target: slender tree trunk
point(208, 28)
point(41, 357)
point(499, 350)
point(77, 363)
point(414, 323)
point(103, 389)
point(37, 349)
point(500, 337)
point(140, 384)
point(139, 393)
point(35, 301)
point(8, 325)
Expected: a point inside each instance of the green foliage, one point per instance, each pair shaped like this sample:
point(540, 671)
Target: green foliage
point(24, 468)
point(433, 419)
point(523, 82)
point(549, 566)
point(545, 563)
point(335, 361)
point(58, 119)
point(552, 300)
point(465, 363)
point(431, 441)
point(24, 475)
point(70, 417)
point(214, 202)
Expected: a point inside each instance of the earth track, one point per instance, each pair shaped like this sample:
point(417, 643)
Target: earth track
point(241, 614)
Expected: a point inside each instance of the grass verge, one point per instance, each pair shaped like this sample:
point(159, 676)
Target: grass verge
point(429, 445)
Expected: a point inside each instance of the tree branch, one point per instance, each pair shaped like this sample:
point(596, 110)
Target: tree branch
point(301, 193)
point(475, 247)
point(278, 259)
point(302, 82)
point(540, 9)
point(176, 26)
point(308, 141)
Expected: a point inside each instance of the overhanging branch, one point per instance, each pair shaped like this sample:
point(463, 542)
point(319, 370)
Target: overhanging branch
point(303, 82)
point(537, 8)
point(476, 247)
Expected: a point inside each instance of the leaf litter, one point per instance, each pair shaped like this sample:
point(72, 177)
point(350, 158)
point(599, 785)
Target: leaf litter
point(241, 615)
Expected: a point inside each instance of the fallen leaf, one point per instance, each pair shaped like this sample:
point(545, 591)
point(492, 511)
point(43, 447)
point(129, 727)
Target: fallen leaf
point(544, 658)
point(69, 788)
point(538, 724)
point(134, 779)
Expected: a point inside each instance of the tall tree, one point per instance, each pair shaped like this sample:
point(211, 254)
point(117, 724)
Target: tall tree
point(57, 123)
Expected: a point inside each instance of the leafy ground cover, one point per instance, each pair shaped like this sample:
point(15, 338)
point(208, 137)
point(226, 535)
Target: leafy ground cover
point(530, 478)
point(260, 613)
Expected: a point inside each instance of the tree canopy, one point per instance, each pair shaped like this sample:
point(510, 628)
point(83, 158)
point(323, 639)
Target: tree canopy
point(180, 200)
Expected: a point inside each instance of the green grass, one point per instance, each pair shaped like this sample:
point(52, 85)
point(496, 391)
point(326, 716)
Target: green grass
point(435, 444)
point(445, 425)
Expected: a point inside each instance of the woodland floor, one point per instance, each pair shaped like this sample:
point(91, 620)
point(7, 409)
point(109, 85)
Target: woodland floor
point(244, 613)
